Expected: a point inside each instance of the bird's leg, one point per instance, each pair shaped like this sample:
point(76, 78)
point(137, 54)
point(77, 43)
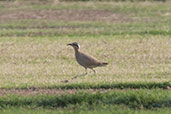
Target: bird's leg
point(85, 71)
point(93, 71)
point(81, 74)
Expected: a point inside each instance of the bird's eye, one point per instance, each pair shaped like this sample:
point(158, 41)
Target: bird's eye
point(75, 45)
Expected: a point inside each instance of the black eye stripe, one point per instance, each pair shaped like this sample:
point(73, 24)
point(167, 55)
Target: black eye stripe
point(75, 45)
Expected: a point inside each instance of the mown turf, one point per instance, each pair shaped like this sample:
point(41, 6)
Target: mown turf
point(105, 85)
point(133, 37)
point(39, 62)
point(134, 99)
point(113, 109)
point(127, 85)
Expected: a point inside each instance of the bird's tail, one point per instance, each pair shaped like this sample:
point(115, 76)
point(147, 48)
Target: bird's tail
point(103, 64)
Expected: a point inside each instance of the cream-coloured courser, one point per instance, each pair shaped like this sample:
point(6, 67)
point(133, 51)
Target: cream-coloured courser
point(85, 60)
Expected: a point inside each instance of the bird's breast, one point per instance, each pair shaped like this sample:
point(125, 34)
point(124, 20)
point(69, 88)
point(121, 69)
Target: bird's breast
point(80, 59)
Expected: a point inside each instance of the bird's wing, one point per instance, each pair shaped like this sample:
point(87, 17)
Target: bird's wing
point(89, 61)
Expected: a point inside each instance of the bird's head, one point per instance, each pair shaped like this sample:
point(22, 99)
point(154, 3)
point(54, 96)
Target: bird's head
point(75, 45)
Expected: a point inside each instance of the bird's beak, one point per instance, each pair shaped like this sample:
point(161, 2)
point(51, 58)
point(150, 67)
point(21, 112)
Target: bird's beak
point(69, 44)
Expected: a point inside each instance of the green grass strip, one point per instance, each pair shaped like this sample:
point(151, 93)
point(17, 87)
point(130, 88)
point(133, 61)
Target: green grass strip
point(115, 0)
point(124, 85)
point(119, 85)
point(142, 98)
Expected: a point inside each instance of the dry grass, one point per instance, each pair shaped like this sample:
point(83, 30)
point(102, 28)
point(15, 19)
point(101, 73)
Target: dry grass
point(46, 62)
point(134, 38)
point(39, 91)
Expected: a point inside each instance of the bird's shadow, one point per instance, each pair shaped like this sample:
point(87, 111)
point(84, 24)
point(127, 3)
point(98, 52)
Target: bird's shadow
point(75, 77)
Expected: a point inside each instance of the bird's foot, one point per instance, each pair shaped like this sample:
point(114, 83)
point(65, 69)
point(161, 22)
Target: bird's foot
point(74, 77)
point(65, 81)
point(78, 76)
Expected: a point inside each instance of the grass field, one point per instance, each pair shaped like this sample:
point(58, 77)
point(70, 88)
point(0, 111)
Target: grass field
point(133, 37)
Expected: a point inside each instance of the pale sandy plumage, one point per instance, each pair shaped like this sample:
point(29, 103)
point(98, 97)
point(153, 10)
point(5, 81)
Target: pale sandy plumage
point(85, 60)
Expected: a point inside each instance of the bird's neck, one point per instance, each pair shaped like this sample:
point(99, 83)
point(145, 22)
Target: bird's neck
point(76, 50)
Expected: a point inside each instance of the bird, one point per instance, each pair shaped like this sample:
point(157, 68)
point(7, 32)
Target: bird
point(86, 60)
